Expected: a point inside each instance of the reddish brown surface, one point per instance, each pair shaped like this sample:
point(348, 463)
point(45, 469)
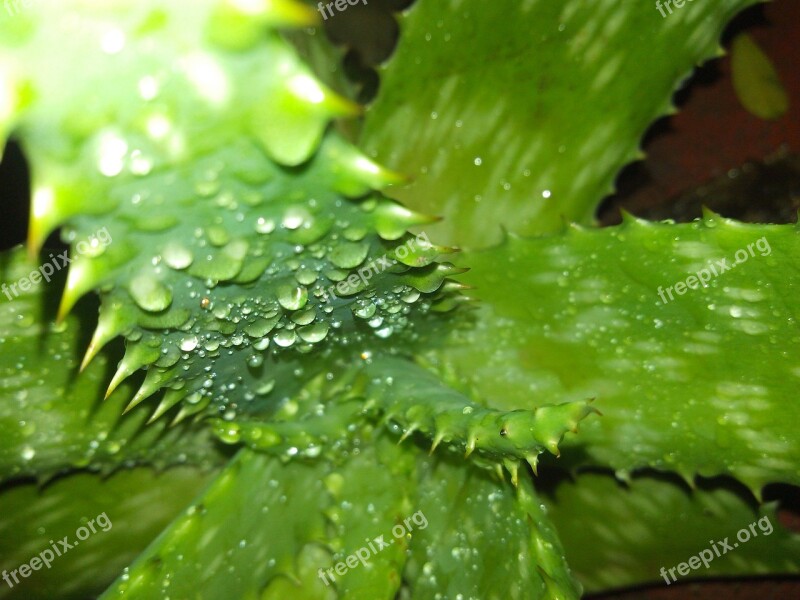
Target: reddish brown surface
point(713, 133)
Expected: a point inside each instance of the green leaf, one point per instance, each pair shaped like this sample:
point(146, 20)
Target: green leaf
point(756, 81)
point(702, 384)
point(202, 197)
point(618, 536)
point(137, 503)
point(374, 494)
point(50, 417)
point(269, 529)
point(246, 529)
point(482, 540)
point(412, 399)
point(519, 115)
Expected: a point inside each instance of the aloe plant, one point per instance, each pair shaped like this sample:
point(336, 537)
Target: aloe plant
point(267, 356)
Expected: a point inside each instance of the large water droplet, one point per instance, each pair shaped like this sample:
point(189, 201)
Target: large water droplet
point(285, 338)
point(314, 333)
point(150, 293)
point(261, 327)
point(292, 297)
point(177, 256)
point(305, 317)
point(189, 343)
point(364, 309)
point(265, 225)
point(348, 255)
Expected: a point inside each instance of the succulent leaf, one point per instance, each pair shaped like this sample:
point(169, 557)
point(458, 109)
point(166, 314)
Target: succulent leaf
point(231, 528)
point(482, 540)
point(51, 420)
point(700, 384)
point(535, 107)
point(653, 523)
point(138, 504)
point(412, 399)
point(202, 196)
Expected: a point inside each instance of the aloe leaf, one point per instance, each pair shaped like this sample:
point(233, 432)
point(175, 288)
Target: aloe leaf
point(138, 503)
point(483, 540)
point(50, 417)
point(276, 527)
point(652, 523)
point(374, 500)
point(412, 400)
point(269, 528)
point(520, 115)
point(702, 384)
point(246, 529)
point(228, 233)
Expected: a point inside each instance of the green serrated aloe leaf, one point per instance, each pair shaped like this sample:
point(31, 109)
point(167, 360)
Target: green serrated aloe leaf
point(374, 500)
point(275, 529)
point(228, 234)
point(138, 503)
point(280, 526)
point(246, 529)
point(50, 417)
point(520, 114)
point(411, 400)
point(704, 383)
point(484, 540)
point(653, 523)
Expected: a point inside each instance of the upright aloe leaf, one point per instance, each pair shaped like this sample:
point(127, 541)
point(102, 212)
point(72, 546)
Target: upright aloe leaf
point(259, 522)
point(703, 383)
point(519, 115)
point(483, 542)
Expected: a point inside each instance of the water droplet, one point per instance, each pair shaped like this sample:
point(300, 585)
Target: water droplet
point(261, 327)
point(149, 293)
point(314, 333)
point(305, 317)
point(385, 332)
point(265, 225)
point(349, 255)
point(177, 256)
point(188, 343)
point(364, 309)
point(294, 217)
point(229, 433)
point(265, 388)
point(292, 297)
point(285, 338)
